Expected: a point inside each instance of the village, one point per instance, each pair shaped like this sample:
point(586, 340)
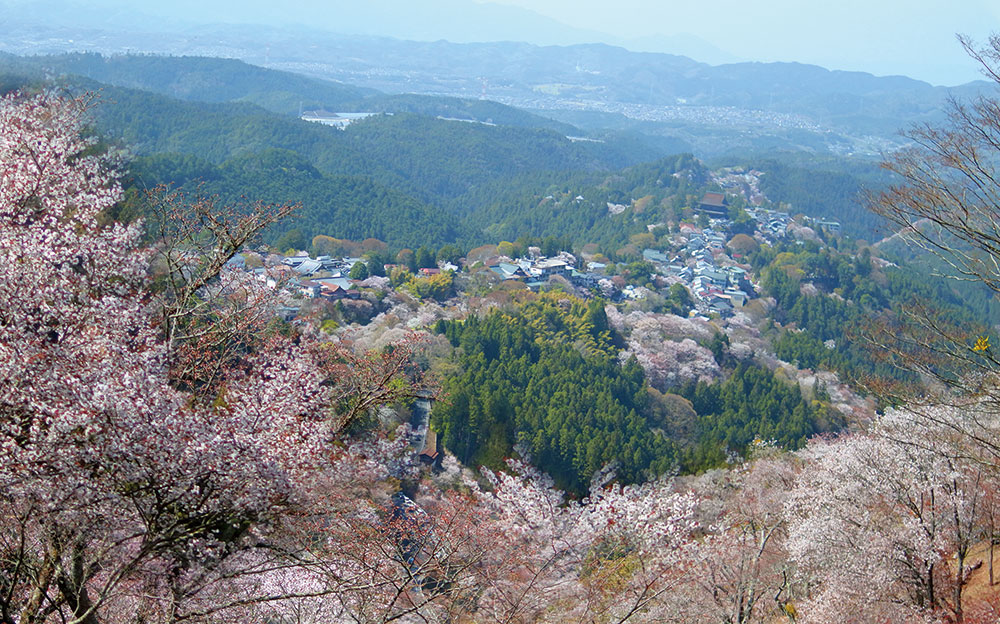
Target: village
point(706, 259)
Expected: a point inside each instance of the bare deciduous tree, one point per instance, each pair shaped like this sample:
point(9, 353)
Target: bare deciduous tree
point(208, 317)
point(947, 202)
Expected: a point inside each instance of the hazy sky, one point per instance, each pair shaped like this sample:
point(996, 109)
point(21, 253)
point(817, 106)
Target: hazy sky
point(884, 37)
point(912, 37)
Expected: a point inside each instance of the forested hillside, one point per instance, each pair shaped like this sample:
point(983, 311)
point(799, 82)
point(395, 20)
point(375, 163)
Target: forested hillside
point(827, 188)
point(546, 376)
point(833, 326)
point(425, 162)
point(554, 204)
point(351, 207)
point(511, 175)
point(197, 79)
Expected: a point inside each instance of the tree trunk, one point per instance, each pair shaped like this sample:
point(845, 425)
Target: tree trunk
point(29, 614)
point(931, 601)
point(74, 590)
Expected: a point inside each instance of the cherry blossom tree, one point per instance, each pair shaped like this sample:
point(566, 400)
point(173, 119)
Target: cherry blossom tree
point(72, 346)
point(670, 364)
point(743, 574)
point(884, 524)
point(615, 556)
point(514, 552)
point(119, 493)
point(667, 361)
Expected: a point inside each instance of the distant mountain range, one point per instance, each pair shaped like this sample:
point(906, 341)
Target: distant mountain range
point(452, 20)
point(548, 116)
point(603, 77)
point(436, 170)
point(712, 110)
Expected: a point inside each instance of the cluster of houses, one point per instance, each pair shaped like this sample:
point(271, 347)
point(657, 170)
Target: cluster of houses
point(772, 224)
point(536, 272)
point(323, 276)
point(715, 289)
